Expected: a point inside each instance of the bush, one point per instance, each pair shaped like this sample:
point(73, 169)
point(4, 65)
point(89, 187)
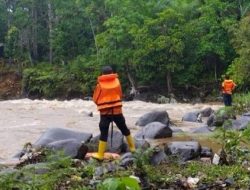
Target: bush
point(68, 81)
point(241, 102)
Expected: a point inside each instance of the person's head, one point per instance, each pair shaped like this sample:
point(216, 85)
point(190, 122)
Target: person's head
point(227, 77)
point(107, 70)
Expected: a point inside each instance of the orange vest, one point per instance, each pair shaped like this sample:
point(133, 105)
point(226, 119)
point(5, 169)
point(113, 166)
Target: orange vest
point(108, 93)
point(228, 86)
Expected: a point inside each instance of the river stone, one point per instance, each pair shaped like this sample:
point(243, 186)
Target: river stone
point(158, 157)
point(71, 142)
point(185, 150)
point(70, 147)
point(246, 114)
point(154, 130)
point(118, 144)
point(127, 159)
point(202, 129)
point(176, 129)
point(58, 134)
point(206, 152)
point(160, 116)
point(106, 168)
point(139, 144)
point(214, 120)
point(206, 112)
point(217, 119)
point(191, 116)
point(127, 162)
point(240, 123)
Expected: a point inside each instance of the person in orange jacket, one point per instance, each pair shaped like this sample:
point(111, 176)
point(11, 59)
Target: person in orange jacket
point(108, 98)
point(227, 88)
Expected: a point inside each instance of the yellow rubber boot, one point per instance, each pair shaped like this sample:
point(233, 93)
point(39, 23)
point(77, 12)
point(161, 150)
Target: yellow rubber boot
point(130, 143)
point(101, 149)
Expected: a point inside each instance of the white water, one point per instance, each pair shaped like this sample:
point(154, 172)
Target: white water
point(24, 120)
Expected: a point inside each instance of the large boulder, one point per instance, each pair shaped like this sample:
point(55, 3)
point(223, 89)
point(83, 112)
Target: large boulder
point(68, 141)
point(160, 116)
point(58, 134)
point(185, 150)
point(154, 130)
point(70, 147)
point(191, 116)
point(118, 144)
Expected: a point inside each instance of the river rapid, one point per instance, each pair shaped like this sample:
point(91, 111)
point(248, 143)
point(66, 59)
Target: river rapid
point(25, 120)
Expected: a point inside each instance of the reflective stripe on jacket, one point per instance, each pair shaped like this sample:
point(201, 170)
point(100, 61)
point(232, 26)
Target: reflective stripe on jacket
point(228, 86)
point(108, 94)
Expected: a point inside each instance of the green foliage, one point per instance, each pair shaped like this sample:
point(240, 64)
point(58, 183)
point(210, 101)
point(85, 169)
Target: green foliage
point(209, 173)
point(186, 42)
point(240, 67)
point(241, 103)
point(235, 144)
point(75, 79)
point(119, 184)
point(57, 166)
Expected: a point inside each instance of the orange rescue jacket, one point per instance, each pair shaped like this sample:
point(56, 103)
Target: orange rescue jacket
point(228, 86)
point(108, 94)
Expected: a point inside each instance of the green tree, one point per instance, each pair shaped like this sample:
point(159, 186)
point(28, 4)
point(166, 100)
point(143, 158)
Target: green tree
point(241, 65)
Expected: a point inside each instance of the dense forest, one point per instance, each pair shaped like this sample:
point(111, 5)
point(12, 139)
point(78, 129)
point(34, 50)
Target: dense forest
point(162, 45)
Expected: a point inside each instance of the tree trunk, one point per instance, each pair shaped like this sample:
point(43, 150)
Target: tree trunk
point(94, 36)
point(34, 31)
point(169, 82)
point(50, 20)
point(133, 90)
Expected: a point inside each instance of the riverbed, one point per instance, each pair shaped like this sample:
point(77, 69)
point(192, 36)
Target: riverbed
point(25, 120)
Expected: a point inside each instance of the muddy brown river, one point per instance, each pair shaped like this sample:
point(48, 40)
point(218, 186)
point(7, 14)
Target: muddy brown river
point(24, 120)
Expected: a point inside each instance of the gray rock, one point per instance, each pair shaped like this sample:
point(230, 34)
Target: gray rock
point(240, 123)
point(191, 116)
point(173, 101)
point(142, 143)
point(185, 150)
point(202, 129)
point(106, 168)
point(246, 114)
point(118, 144)
point(206, 152)
point(58, 134)
point(163, 100)
point(217, 119)
point(70, 147)
point(176, 130)
point(158, 157)
point(139, 144)
point(206, 112)
point(160, 116)
point(214, 120)
point(154, 130)
point(71, 142)
point(127, 162)
point(127, 155)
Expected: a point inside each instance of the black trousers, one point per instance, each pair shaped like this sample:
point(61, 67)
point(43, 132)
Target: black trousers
point(227, 99)
point(105, 122)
